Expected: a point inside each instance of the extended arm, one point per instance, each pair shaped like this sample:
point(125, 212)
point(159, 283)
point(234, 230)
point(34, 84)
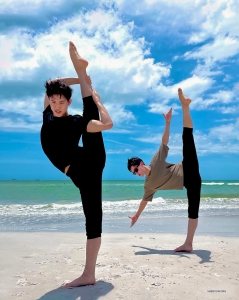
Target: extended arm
point(67, 80)
point(142, 206)
point(105, 123)
point(71, 80)
point(167, 117)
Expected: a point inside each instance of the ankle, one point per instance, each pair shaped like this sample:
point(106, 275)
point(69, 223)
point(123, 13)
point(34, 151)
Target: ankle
point(88, 274)
point(82, 77)
point(188, 242)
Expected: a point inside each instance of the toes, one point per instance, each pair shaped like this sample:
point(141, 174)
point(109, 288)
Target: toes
point(72, 46)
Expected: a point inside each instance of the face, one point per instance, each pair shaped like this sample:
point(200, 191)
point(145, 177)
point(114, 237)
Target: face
point(59, 105)
point(138, 170)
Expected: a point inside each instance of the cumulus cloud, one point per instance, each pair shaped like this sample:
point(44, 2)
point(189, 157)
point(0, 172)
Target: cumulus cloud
point(212, 29)
point(203, 19)
point(119, 68)
point(220, 49)
point(225, 101)
point(220, 18)
point(218, 140)
point(28, 7)
point(112, 39)
point(9, 124)
point(194, 87)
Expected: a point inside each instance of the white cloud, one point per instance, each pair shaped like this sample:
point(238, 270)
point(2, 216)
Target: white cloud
point(203, 19)
point(119, 114)
point(117, 142)
point(212, 22)
point(120, 130)
point(226, 133)
point(29, 7)
point(118, 67)
point(161, 16)
point(217, 101)
point(122, 151)
point(220, 49)
point(218, 140)
point(219, 18)
point(193, 88)
point(29, 107)
point(18, 124)
point(117, 61)
point(5, 53)
point(227, 78)
point(160, 108)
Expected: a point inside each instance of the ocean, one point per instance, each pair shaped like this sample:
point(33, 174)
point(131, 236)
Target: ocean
point(56, 205)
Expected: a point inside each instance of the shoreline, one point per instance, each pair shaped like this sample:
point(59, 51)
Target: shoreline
point(226, 226)
point(129, 266)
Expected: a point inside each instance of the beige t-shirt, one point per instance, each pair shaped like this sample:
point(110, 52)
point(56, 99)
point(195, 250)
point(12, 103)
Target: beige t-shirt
point(163, 175)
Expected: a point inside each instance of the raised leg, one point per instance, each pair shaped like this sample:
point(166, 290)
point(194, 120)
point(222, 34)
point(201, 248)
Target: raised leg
point(91, 141)
point(187, 120)
point(192, 179)
point(80, 65)
point(94, 156)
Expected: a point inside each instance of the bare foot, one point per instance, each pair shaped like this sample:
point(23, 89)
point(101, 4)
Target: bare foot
point(185, 101)
point(81, 281)
point(79, 62)
point(184, 248)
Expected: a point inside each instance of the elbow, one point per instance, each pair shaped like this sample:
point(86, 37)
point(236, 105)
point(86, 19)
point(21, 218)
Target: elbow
point(109, 125)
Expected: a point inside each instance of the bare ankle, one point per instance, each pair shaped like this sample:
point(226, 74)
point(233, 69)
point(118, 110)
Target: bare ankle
point(88, 274)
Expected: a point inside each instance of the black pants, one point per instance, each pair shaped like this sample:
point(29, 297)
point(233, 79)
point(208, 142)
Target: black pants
point(86, 172)
point(192, 178)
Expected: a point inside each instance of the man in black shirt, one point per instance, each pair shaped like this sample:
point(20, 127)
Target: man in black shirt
point(60, 136)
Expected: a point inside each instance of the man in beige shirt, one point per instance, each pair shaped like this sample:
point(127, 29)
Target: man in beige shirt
point(161, 175)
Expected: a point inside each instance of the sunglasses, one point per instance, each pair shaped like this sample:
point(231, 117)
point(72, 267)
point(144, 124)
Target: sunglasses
point(135, 171)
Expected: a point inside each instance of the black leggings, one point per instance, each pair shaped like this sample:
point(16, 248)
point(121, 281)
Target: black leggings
point(192, 178)
point(86, 172)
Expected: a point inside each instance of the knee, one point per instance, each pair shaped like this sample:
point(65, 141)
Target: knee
point(193, 210)
point(94, 231)
point(94, 225)
point(92, 235)
point(193, 215)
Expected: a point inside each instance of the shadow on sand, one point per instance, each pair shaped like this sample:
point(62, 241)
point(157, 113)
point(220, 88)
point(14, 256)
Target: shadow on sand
point(101, 288)
point(204, 255)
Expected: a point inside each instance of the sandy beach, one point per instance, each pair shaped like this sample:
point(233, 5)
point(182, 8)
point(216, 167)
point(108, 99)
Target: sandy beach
point(130, 266)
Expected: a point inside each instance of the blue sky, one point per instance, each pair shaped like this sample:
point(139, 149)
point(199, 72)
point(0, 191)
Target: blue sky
point(139, 52)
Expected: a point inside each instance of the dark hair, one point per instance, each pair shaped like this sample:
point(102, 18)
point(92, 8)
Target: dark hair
point(134, 161)
point(57, 87)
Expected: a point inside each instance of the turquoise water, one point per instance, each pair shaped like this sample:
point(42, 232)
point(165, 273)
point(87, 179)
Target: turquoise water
point(42, 192)
point(35, 205)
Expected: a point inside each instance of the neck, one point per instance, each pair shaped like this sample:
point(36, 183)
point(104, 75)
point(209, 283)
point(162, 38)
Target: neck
point(147, 170)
